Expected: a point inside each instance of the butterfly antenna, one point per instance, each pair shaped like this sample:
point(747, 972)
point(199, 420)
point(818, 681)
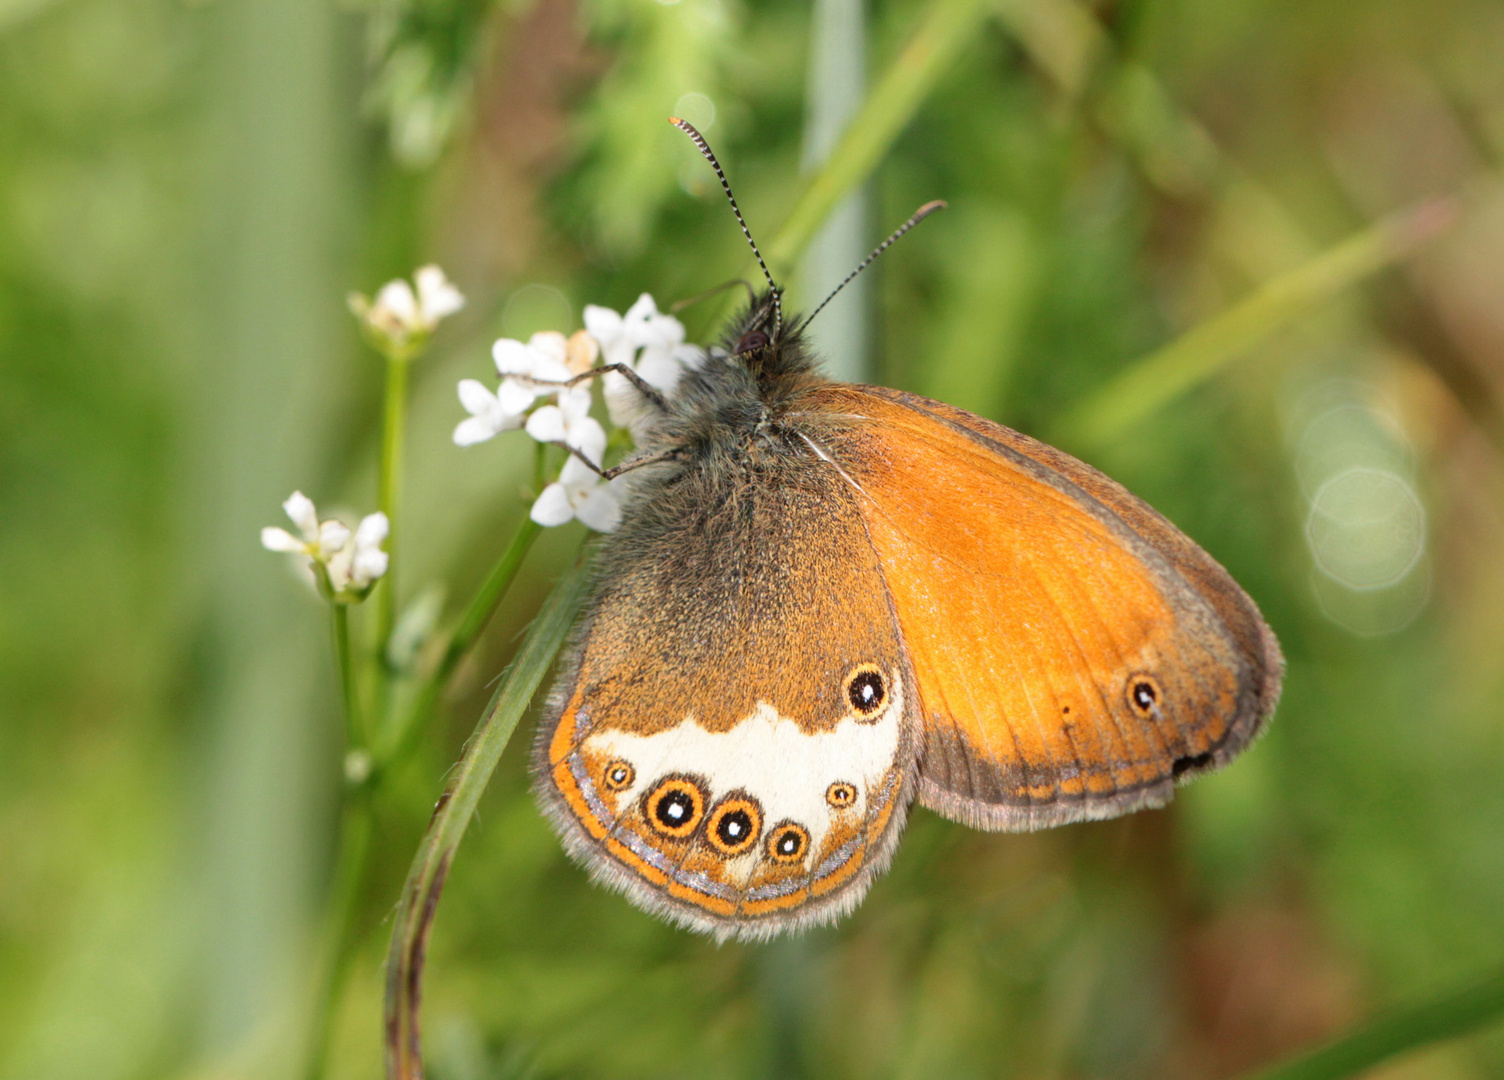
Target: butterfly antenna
point(699, 140)
point(919, 215)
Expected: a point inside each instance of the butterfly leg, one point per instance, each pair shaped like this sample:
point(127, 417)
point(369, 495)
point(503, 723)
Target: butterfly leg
point(626, 466)
point(643, 387)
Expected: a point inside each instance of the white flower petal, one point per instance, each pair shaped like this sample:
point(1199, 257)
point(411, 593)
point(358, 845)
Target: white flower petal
point(551, 345)
point(476, 399)
point(547, 425)
point(601, 510)
point(604, 324)
point(663, 331)
point(512, 357)
point(575, 403)
point(623, 402)
point(659, 369)
point(514, 397)
point(578, 477)
point(333, 536)
point(275, 539)
point(338, 568)
point(437, 298)
point(589, 438)
point(396, 300)
point(475, 429)
point(638, 314)
point(548, 370)
point(621, 351)
point(367, 566)
point(372, 530)
point(300, 509)
point(552, 507)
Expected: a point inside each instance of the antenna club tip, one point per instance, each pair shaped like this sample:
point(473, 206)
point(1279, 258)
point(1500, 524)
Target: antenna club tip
point(930, 207)
point(675, 121)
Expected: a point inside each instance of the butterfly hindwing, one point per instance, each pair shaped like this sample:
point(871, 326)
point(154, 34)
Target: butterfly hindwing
point(1074, 654)
point(732, 741)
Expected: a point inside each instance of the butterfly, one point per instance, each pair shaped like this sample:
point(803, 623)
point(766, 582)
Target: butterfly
point(827, 601)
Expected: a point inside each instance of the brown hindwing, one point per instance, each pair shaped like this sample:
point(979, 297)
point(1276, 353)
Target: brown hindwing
point(739, 664)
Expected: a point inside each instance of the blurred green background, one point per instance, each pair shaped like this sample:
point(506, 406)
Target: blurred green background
point(188, 189)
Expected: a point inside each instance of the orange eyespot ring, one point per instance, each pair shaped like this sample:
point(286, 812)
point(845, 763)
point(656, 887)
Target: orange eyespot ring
point(618, 776)
point(866, 691)
point(840, 794)
point(734, 825)
point(788, 842)
point(1144, 696)
point(674, 807)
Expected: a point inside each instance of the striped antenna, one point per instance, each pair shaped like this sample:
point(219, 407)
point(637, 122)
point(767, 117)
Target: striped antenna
point(919, 215)
point(777, 293)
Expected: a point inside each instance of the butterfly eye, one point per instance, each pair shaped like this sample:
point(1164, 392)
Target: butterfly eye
point(1144, 696)
point(734, 825)
point(840, 794)
point(751, 341)
point(866, 691)
point(788, 843)
point(619, 776)
point(675, 807)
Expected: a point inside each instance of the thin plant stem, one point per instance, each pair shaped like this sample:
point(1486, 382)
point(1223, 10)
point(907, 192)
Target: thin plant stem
point(356, 826)
point(350, 866)
point(482, 606)
point(349, 691)
point(389, 495)
point(947, 28)
point(451, 816)
point(1447, 1016)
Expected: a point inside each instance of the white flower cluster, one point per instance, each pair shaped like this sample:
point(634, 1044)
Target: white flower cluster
point(644, 340)
point(352, 561)
point(399, 315)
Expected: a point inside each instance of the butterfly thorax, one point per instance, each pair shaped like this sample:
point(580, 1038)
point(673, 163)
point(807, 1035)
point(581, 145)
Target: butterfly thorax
point(733, 410)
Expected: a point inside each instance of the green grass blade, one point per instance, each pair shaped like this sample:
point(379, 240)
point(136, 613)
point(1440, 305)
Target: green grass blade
point(1446, 1017)
point(1201, 352)
point(451, 816)
point(948, 27)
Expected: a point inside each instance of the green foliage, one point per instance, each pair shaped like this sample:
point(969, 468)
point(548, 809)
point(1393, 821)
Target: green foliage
point(187, 192)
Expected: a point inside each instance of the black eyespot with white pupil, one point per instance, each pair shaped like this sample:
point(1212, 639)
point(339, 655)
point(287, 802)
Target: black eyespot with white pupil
point(1144, 696)
point(840, 794)
point(734, 827)
point(735, 824)
point(788, 842)
point(675, 807)
point(866, 691)
point(619, 776)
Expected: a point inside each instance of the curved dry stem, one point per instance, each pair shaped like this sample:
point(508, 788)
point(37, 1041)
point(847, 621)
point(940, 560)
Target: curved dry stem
point(451, 816)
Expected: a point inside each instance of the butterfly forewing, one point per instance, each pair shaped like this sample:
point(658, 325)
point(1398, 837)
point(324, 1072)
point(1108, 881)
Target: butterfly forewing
point(733, 742)
point(1073, 653)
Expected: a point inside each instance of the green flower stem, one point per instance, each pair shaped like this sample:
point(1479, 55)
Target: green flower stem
point(1446, 1017)
point(354, 849)
point(389, 493)
point(451, 816)
point(1201, 352)
point(356, 826)
point(349, 691)
point(471, 623)
point(948, 27)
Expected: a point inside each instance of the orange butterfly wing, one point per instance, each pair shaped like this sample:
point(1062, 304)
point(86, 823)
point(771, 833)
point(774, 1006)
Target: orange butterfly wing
point(1075, 654)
